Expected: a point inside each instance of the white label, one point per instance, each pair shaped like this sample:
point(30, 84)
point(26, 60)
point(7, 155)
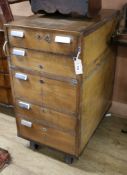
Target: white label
point(78, 67)
point(63, 39)
point(17, 33)
point(26, 123)
point(18, 52)
point(24, 105)
point(21, 76)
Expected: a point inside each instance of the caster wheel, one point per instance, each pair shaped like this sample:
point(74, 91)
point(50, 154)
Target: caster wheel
point(33, 145)
point(124, 131)
point(69, 159)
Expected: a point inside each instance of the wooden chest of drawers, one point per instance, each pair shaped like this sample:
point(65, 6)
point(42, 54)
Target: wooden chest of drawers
point(56, 103)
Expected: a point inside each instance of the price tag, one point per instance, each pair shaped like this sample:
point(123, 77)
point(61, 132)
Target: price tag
point(78, 66)
point(78, 63)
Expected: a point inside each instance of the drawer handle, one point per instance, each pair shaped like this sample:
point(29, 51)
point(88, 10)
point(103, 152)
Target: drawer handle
point(5, 49)
point(17, 33)
point(18, 52)
point(24, 105)
point(21, 76)
point(26, 123)
point(44, 129)
point(63, 39)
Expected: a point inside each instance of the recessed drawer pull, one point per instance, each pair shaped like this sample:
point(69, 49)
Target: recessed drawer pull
point(26, 123)
point(63, 39)
point(18, 52)
point(21, 76)
point(24, 105)
point(17, 33)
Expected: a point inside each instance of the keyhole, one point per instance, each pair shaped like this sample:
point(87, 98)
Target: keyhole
point(41, 81)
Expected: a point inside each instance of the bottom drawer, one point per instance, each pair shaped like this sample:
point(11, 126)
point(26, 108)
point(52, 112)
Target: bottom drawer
point(47, 116)
point(46, 135)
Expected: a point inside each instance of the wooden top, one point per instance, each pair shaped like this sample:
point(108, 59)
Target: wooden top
point(61, 23)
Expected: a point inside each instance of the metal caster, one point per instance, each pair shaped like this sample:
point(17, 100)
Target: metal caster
point(33, 146)
point(69, 159)
point(124, 131)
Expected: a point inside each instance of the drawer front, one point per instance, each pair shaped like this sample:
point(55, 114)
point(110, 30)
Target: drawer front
point(58, 95)
point(27, 87)
point(46, 116)
point(43, 62)
point(46, 135)
point(61, 96)
point(55, 42)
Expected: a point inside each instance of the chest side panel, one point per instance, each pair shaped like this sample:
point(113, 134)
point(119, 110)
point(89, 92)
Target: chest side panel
point(99, 64)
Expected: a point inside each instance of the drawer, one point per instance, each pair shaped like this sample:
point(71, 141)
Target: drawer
point(5, 80)
point(27, 87)
point(55, 64)
point(46, 135)
point(43, 40)
point(46, 116)
point(59, 95)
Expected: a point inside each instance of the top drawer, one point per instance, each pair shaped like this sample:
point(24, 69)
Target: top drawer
point(43, 40)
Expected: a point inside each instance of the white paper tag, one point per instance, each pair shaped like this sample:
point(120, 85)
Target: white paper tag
point(78, 66)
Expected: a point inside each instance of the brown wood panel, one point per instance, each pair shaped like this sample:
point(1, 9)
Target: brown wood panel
point(98, 81)
point(29, 90)
point(1, 65)
point(45, 63)
point(48, 136)
point(48, 117)
point(92, 53)
point(5, 96)
point(5, 65)
point(60, 95)
point(120, 87)
point(94, 7)
point(97, 96)
point(4, 80)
